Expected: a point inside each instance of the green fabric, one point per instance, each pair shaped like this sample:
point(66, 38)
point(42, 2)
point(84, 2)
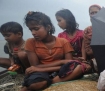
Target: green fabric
point(12, 73)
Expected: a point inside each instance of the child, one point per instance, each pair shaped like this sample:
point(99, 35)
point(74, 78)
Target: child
point(67, 22)
point(13, 32)
point(47, 54)
point(87, 52)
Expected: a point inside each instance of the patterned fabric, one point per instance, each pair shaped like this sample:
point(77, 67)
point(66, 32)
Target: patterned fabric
point(76, 42)
point(87, 41)
point(68, 68)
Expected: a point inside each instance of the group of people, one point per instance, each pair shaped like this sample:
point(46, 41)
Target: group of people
point(45, 58)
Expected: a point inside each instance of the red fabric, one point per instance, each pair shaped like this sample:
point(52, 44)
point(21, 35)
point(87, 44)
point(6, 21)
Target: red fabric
point(68, 68)
point(76, 42)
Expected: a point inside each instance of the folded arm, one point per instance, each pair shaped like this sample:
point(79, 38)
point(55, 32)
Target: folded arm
point(34, 61)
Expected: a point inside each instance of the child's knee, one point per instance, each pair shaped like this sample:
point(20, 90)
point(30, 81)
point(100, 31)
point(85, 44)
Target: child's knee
point(79, 67)
point(38, 85)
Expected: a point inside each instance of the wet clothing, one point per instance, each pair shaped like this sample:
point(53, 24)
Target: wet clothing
point(68, 68)
point(36, 77)
point(76, 42)
point(9, 51)
point(45, 55)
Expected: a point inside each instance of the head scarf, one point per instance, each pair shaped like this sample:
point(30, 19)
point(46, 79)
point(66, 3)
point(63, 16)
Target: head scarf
point(94, 5)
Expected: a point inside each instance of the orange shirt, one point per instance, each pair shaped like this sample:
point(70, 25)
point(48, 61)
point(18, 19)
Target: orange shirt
point(45, 56)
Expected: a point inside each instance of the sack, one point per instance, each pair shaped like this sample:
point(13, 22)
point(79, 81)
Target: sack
point(101, 81)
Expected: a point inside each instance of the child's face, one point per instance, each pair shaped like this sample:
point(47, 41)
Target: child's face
point(93, 10)
point(61, 22)
point(38, 31)
point(10, 37)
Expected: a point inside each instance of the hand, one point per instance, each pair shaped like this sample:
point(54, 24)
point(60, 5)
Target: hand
point(79, 58)
point(31, 70)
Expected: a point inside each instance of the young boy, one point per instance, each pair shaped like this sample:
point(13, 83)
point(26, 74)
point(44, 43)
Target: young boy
point(13, 34)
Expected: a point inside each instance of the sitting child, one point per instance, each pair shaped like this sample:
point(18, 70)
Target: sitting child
point(13, 32)
point(50, 57)
point(67, 22)
point(87, 52)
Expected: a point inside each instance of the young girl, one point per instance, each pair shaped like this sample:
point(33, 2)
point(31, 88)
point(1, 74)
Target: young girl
point(47, 54)
point(87, 52)
point(67, 22)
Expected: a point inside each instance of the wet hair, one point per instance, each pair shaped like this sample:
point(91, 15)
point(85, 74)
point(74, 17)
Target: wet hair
point(40, 19)
point(12, 27)
point(94, 5)
point(70, 20)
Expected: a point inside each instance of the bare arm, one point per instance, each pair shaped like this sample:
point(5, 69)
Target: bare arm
point(33, 59)
point(50, 69)
point(54, 64)
point(83, 50)
point(37, 69)
point(68, 57)
point(11, 60)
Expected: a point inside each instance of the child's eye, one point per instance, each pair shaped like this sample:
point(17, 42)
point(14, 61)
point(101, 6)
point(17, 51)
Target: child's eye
point(7, 35)
point(58, 20)
point(92, 13)
point(36, 29)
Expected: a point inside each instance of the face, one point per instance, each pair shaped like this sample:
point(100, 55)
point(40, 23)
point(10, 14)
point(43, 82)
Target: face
point(11, 37)
point(61, 22)
point(93, 10)
point(38, 31)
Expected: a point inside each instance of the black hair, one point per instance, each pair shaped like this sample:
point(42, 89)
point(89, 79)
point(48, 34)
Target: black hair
point(13, 27)
point(71, 24)
point(41, 19)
